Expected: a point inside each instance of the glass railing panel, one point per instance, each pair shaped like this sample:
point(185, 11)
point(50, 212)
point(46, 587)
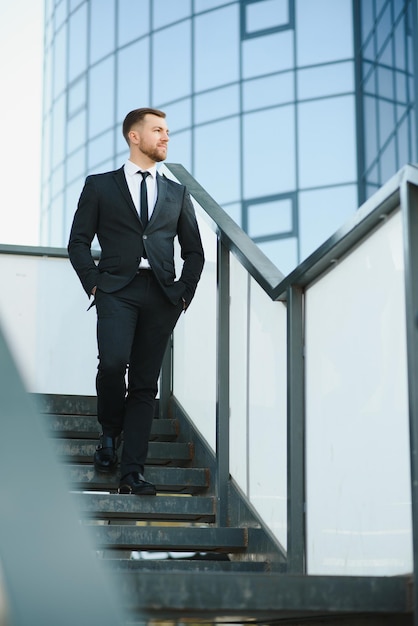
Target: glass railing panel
point(357, 438)
point(43, 313)
point(194, 345)
point(258, 399)
point(268, 410)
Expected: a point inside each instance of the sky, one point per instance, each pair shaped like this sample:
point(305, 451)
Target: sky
point(21, 49)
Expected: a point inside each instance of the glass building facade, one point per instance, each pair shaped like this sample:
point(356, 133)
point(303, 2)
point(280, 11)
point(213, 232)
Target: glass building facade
point(289, 112)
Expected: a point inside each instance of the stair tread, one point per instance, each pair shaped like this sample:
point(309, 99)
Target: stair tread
point(82, 450)
point(161, 507)
point(270, 596)
point(66, 403)
point(172, 538)
point(172, 479)
point(198, 562)
point(87, 427)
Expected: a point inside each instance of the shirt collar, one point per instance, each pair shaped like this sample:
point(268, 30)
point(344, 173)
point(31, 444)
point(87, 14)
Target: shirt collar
point(131, 169)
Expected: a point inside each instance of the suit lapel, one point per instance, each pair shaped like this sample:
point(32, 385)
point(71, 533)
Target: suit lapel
point(120, 179)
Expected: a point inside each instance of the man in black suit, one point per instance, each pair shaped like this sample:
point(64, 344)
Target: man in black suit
point(136, 215)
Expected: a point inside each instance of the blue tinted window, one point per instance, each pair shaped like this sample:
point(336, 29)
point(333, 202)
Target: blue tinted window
point(369, 73)
point(413, 154)
point(180, 148)
point(386, 55)
point(101, 90)
point(166, 12)
point(401, 94)
point(388, 162)
point(133, 20)
point(373, 175)
point(218, 103)
point(264, 92)
point(325, 80)
point(368, 50)
point(399, 41)
point(327, 146)
point(77, 96)
point(57, 180)
point(273, 217)
point(56, 215)
point(76, 164)
point(72, 194)
point(370, 129)
point(234, 211)
point(204, 5)
point(132, 61)
point(216, 58)
point(383, 27)
point(268, 54)
point(367, 18)
point(172, 72)
point(58, 131)
point(385, 83)
point(60, 14)
point(100, 149)
point(265, 15)
point(217, 169)
point(179, 115)
point(102, 28)
point(74, 4)
point(76, 131)
point(321, 213)
point(60, 59)
point(77, 61)
point(324, 31)
point(386, 120)
point(283, 253)
point(269, 152)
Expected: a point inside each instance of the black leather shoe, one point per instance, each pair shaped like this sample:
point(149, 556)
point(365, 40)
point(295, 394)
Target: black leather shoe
point(136, 483)
point(105, 458)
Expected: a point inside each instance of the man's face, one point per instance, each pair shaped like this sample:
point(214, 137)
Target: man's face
point(151, 137)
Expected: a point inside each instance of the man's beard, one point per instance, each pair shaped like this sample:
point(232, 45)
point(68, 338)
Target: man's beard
point(153, 153)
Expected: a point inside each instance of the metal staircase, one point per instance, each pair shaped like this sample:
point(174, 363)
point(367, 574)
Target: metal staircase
point(200, 552)
point(171, 559)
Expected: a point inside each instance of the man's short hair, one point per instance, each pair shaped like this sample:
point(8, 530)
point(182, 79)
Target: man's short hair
point(136, 116)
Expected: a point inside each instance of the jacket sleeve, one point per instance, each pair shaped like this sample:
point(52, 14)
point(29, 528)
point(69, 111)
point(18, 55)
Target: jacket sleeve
point(83, 230)
point(191, 248)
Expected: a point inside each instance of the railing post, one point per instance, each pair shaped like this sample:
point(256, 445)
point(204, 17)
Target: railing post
point(222, 383)
point(295, 433)
point(409, 207)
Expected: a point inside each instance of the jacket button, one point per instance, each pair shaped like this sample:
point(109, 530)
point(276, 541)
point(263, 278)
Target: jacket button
point(145, 237)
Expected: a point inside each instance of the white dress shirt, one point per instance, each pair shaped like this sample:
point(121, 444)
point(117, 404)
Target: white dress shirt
point(134, 178)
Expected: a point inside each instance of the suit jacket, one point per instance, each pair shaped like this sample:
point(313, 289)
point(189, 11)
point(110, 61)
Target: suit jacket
point(106, 208)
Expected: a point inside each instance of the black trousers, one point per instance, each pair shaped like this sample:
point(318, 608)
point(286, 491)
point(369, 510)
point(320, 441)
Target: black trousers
point(133, 328)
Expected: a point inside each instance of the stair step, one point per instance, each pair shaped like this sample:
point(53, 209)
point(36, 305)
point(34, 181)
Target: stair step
point(116, 507)
point(173, 479)
point(171, 538)
point(87, 427)
point(199, 562)
point(266, 597)
point(82, 450)
point(66, 404)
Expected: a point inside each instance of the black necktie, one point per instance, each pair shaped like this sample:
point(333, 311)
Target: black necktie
point(144, 199)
